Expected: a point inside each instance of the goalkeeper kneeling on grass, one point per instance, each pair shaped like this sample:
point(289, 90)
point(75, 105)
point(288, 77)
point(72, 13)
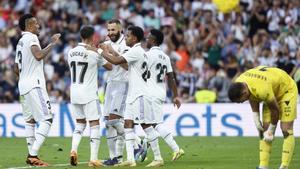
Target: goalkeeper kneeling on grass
point(278, 92)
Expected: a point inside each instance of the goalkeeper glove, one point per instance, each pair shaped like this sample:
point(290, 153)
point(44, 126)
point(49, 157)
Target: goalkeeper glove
point(269, 134)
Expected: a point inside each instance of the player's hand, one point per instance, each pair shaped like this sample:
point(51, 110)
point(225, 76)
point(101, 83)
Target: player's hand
point(55, 38)
point(268, 136)
point(257, 121)
point(177, 102)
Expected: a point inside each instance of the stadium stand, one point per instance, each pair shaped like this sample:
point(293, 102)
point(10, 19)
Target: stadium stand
point(208, 48)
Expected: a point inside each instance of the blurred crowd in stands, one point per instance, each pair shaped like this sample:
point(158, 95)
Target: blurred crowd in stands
point(208, 48)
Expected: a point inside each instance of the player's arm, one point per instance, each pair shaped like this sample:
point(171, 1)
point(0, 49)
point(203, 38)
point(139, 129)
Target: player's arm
point(111, 55)
point(274, 109)
point(108, 66)
point(40, 54)
point(16, 69)
point(124, 66)
point(256, 116)
point(172, 85)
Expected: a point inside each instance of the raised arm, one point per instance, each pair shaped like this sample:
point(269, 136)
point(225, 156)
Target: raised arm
point(40, 54)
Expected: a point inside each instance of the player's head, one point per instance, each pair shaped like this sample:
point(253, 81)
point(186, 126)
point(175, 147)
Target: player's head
point(28, 22)
point(238, 92)
point(134, 35)
point(155, 38)
point(114, 29)
point(87, 33)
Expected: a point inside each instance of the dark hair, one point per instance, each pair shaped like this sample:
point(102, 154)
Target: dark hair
point(159, 36)
point(137, 32)
point(235, 91)
point(116, 21)
point(87, 32)
point(23, 19)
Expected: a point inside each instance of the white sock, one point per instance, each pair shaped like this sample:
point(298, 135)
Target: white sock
point(152, 138)
point(94, 142)
point(119, 126)
point(137, 141)
point(167, 136)
point(111, 140)
point(40, 136)
point(29, 132)
point(77, 135)
point(129, 138)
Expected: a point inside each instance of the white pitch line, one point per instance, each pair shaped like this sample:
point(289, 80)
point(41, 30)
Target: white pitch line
point(52, 165)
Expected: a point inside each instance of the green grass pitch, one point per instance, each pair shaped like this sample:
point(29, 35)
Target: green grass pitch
point(200, 153)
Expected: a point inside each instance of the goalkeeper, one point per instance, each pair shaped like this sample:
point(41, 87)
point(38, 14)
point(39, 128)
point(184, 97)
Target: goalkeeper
point(278, 92)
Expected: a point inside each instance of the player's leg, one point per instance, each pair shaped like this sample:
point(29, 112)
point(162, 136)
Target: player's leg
point(111, 137)
point(167, 136)
point(157, 107)
point(80, 126)
point(147, 119)
point(131, 112)
point(116, 116)
point(92, 112)
point(29, 124)
point(265, 147)
point(116, 123)
point(111, 133)
point(288, 113)
point(38, 101)
point(288, 144)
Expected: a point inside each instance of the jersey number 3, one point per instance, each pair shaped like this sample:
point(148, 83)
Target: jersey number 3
point(84, 66)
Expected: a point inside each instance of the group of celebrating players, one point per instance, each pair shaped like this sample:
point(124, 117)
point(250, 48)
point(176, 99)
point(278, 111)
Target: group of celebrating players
point(135, 92)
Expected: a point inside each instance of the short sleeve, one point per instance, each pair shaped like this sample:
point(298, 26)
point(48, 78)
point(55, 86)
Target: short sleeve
point(34, 41)
point(131, 56)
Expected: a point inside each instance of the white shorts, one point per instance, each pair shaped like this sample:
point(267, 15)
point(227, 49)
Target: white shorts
point(36, 105)
point(115, 98)
point(140, 111)
point(157, 110)
point(89, 111)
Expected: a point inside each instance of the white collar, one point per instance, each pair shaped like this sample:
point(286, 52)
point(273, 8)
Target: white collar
point(137, 44)
point(27, 32)
point(155, 47)
point(81, 44)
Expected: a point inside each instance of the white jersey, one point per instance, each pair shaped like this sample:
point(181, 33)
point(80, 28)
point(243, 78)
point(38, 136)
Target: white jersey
point(137, 72)
point(118, 73)
point(83, 66)
point(159, 64)
point(31, 70)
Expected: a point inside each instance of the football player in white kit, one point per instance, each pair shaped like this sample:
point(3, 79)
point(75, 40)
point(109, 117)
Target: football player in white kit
point(160, 69)
point(115, 96)
point(32, 87)
point(138, 102)
point(83, 64)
